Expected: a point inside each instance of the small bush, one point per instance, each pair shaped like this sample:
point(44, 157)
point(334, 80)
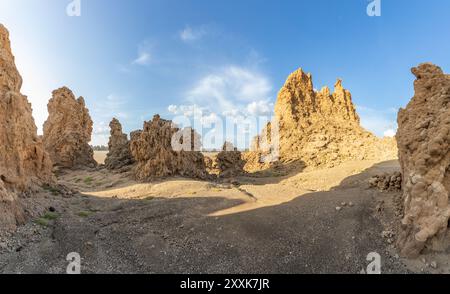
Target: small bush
point(50, 215)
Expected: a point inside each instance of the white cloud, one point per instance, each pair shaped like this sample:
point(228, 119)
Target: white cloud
point(230, 89)
point(390, 133)
point(189, 34)
point(259, 108)
point(230, 96)
point(187, 110)
point(209, 119)
point(143, 58)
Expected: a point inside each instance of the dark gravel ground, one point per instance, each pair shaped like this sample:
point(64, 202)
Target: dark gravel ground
point(306, 235)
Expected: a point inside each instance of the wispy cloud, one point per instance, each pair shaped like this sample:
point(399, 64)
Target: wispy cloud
point(143, 58)
point(232, 94)
point(230, 88)
point(190, 34)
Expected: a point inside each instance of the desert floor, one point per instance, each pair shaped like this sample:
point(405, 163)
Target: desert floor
point(100, 156)
point(253, 224)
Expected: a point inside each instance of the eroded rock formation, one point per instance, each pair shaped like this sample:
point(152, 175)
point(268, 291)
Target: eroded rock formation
point(320, 128)
point(23, 161)
point(229, 162)
point(424, 151)
point(154, 150)
point(119, 154)
point(387, 182)
point(68, 130)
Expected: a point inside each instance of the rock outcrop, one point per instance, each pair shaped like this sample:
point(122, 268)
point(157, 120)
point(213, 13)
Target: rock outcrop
point(160, 151)
point(321, 128)
point(229, 162)
point(424, 151)
point(387, 182)
point(119, 154)
point(23, 162)
point(68, 130)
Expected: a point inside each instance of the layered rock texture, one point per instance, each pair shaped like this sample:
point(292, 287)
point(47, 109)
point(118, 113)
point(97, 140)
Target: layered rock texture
point(119, 154)
point(161, 149)
point(424, 151)
point(320, 128)
point(23, 161)
point(68, 130)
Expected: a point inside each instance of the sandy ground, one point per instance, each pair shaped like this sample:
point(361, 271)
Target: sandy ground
point(286, 224)
point(100, 156)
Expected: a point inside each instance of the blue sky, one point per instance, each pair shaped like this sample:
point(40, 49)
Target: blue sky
point(133, 59)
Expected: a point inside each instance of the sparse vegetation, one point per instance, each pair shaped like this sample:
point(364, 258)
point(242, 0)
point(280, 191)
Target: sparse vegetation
point(42, 222)
point(51, 215)
point(88, 180)
point(53, 190)
point(45, 220)
point(84, 213)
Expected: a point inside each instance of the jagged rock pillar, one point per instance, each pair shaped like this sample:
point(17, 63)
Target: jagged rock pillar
point(68, 130)
point(119, 154)
point(424, 151)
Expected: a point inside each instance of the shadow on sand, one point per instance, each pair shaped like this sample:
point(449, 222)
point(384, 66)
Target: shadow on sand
point(159, 235)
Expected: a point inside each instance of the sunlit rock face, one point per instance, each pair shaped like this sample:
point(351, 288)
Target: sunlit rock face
point(68, 131)
point(424, 151)
point(153, 150)
point(23, 162)
point(320, 128)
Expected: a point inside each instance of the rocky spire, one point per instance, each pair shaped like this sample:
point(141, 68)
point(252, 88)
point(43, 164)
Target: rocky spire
point(119, 154)
point(68, 130)
point(320, 128)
